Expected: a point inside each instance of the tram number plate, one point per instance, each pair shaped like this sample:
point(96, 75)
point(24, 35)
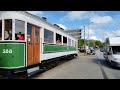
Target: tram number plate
point(7, 50)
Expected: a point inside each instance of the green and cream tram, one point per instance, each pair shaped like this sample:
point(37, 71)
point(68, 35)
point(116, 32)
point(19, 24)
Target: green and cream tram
point(42, 42)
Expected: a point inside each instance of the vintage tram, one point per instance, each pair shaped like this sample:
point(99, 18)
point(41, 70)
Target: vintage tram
point(28, 42)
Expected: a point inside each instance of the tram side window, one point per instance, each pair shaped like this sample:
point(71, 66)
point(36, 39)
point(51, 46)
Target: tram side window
point(48, 36)
point(8, 29)
point(72, 43)
point(19, 30)
point(64, 40)
point(0, 29)
point(69, 42)
point(75, 44)
point(58, 39)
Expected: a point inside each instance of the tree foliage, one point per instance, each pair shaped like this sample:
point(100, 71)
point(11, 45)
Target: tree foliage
point(80, 42)
point(98, 43)
point(92, 43)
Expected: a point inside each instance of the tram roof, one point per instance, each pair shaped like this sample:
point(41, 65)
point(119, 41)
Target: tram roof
point(45, 21)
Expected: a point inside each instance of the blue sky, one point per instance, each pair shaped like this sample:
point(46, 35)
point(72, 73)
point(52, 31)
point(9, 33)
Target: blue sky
point(104, 23)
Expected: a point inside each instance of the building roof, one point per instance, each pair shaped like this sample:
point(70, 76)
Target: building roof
point(73, 30)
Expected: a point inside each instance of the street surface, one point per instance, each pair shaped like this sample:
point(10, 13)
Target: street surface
point(111, 73)
point(83, 67)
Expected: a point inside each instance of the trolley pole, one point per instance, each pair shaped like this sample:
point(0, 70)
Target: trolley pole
point(84, 41)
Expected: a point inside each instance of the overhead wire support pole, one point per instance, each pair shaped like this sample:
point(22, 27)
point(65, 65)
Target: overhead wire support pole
point(84, 41)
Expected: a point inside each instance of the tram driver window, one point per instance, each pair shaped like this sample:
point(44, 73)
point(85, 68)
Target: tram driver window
point(19, 30)
point(0, 29)
point(8, 29)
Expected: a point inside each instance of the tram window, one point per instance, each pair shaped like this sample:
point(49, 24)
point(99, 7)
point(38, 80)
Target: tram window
point(19, 30)
point(29, 32)
point(0, 29)
point(69, 42)
point(37, 33)
point(48, 36)
point(75, 44)
point(64, 40)
point(72, 43)
point(58, 39)
point(8, 29)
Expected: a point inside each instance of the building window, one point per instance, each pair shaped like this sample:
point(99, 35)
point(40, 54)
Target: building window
point(69, 42)
point(48, 36)
point(64, 40)
point(58, 39)
point(19, 30)
point(29, 32)
point(0, 29)
point(8, 29)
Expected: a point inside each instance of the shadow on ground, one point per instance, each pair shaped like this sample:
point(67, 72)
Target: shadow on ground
point(104, 63)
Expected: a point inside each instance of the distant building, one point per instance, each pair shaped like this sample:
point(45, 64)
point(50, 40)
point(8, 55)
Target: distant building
point(74, 32)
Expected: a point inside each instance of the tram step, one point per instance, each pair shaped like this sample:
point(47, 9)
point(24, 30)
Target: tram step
point(34, 73)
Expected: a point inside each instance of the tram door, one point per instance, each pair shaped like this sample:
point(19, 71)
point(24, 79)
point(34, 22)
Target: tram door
point(33, 44)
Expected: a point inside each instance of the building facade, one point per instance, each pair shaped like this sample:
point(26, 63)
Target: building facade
point(74, 32)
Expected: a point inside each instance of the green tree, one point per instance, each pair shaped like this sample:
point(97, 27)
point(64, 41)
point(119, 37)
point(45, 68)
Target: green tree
point(98, 43)
point(91, 44)
point(80, 42)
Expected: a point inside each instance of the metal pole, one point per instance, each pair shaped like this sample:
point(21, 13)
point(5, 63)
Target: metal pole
point(84, 40)
point(88, 38)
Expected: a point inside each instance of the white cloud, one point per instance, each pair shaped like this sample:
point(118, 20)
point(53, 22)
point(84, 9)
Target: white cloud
point(96, 38)
point(62, 26)
point(106, 33)
point(75, 15)
point(91, 31)
point(103, 34)
point(36, 12)
point(101, 19)
point(116, 33)
point(90, 15)
point(93, 37)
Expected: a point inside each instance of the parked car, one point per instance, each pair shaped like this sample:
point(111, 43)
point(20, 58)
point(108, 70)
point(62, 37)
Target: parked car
point(88, 51)
point(93, 52)
point(101, 49)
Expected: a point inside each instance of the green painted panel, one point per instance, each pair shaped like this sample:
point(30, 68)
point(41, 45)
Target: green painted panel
point(12, 55)
point(57, 48)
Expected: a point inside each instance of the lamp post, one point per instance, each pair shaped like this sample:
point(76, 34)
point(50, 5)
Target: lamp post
point(88, 36)
point(84, 41)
